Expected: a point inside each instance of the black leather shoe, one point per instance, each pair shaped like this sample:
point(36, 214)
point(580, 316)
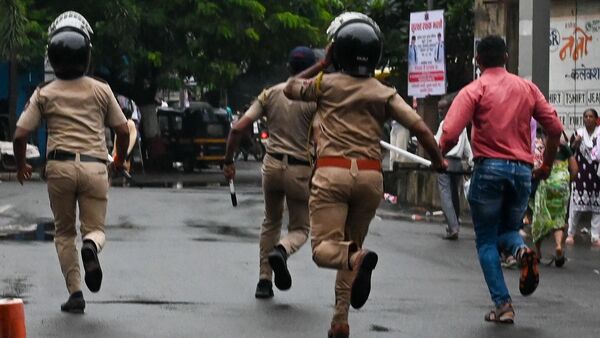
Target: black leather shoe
point(75, 303)
point(278, 262)
point(364, 264)
point(264, 289)
point(91, 265)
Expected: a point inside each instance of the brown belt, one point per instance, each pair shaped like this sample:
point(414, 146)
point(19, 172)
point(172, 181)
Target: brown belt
point(342, 162)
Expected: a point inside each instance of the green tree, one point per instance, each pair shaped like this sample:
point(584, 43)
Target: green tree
point(139, 46)
point(12, 40)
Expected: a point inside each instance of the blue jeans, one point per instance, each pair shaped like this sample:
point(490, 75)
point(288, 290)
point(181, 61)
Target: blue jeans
point(498, 198)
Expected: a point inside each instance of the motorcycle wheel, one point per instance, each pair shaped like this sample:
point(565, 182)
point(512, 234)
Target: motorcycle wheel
point(259, 154)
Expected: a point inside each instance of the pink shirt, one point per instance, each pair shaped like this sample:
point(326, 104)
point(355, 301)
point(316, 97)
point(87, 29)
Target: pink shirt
point(500, 105)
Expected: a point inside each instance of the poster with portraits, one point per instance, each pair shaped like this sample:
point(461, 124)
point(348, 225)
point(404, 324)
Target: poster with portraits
point(426, 54)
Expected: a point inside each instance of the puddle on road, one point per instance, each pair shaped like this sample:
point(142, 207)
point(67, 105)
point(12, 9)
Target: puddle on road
point(41, 230)
point(379, 328)
point(124, 223)
point(206, 239)
point(143, 302)
point(16, 287)
point(224, 231)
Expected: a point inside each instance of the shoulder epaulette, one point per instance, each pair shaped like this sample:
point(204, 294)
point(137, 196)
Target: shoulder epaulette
point(99, 79)
point(44, 84)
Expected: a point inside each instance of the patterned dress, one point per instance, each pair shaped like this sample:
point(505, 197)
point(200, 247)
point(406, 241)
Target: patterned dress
point(585, 187)
point(551, 201)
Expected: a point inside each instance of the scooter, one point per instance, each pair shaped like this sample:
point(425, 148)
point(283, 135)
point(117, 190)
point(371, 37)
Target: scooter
point(252, 143)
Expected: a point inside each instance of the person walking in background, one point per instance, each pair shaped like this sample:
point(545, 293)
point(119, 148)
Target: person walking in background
point(500, 106)
point(285, 173)
point(399, 137)
point(450, 184)
point(585, 188)
point(551, 201)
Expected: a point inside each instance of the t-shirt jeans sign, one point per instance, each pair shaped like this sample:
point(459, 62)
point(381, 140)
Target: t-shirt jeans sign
point(426, 61)
point(574, 67)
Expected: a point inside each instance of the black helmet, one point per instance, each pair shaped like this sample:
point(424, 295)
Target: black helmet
point(357, 45)
point(69, 45)
point(69, 52)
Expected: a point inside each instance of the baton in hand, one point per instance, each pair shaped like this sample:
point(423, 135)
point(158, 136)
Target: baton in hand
point(232, 192)
point(406, 154)
point(417, 158)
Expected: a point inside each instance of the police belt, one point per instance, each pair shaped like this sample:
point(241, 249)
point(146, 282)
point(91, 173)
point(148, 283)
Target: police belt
point(290, 159)
point(342, 162)
point(61, 155)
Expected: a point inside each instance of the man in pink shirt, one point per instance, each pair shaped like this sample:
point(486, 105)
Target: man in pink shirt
point(500, 106)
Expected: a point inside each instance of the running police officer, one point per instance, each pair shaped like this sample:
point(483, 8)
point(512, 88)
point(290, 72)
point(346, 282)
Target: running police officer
point(285, 173)
point(347, 185)
point(76, 109)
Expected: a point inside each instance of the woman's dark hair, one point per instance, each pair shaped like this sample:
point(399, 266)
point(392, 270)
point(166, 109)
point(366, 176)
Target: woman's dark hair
point(491, 51)
point(591, 110)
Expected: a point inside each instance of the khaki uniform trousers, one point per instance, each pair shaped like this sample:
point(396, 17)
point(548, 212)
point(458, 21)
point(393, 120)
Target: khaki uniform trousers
point(342, 204)
point(283, 182)
point(72, 183)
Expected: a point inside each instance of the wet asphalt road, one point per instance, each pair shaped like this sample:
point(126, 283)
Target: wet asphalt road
point(183, 263)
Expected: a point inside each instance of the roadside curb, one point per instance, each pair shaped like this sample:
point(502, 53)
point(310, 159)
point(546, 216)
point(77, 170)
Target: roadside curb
point(416, 214)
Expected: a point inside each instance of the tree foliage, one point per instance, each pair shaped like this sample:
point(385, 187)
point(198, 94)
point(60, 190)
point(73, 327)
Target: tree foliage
point(393, 17)
point(142, 45)
point(12, 31)
point(12, 27)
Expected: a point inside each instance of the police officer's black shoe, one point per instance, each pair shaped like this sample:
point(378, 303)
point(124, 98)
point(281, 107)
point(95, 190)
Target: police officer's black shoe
point(264, 289)
point(278, 262)
point(364, 263)
point(91, 265)
point(75, 303)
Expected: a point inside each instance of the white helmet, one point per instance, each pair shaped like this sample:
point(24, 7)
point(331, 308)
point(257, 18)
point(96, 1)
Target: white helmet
point(71, 19)
point(347, 17)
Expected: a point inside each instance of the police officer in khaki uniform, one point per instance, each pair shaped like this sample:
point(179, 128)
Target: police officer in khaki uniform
point(76, 109)
point(285, 173)
point(347, 185)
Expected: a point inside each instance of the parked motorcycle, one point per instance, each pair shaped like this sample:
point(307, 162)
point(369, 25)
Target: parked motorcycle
point(253, 142)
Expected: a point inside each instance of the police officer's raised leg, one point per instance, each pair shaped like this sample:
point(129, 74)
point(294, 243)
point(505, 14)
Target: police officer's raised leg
point(92, 198)
point(62, 191)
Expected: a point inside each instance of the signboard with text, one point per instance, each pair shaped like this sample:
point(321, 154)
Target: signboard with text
point(426, 54)
point(574, 67)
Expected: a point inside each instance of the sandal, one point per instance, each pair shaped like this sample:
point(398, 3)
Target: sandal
point(504, 314)
point(530, 276)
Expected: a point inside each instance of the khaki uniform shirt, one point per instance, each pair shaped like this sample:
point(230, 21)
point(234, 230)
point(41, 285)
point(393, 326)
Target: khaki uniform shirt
point(352, 111)
point(76, 112)
point(288, 121)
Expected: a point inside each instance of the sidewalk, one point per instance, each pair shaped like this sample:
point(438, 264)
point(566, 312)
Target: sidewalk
point(247, 173)
point(388, 210)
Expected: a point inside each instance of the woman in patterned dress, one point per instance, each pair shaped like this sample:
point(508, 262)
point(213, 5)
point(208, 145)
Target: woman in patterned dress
point(585, 188)
point(550, 206)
